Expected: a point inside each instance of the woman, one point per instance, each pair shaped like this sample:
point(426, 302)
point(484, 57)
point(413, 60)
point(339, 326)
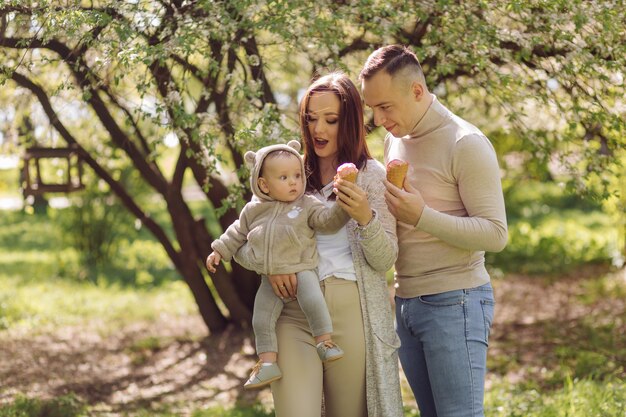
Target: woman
point(353, 262)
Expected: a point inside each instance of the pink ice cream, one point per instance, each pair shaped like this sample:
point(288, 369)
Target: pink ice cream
point(347, 171)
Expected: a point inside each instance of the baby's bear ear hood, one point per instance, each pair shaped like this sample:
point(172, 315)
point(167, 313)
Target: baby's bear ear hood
point(254, 161)
point(249, 157)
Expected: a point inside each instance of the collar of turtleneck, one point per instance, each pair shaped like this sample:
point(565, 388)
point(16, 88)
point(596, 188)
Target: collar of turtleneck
point(435, 116)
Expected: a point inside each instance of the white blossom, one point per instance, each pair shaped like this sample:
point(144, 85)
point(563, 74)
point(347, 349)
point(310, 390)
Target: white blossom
point(173, 97)
point(254, 60)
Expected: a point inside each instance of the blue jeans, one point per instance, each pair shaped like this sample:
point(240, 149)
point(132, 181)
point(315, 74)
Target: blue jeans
point(444, 349)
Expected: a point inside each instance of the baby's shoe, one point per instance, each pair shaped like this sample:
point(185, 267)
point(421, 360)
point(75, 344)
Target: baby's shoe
point(328, 351)
point(262, 375)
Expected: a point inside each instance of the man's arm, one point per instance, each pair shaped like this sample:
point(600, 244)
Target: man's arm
point(476, 168)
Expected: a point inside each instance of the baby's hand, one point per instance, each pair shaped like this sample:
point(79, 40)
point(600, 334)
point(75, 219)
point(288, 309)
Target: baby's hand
point(213, 259)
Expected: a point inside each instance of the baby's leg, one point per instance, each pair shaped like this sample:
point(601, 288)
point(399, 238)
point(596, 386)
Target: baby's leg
point(313, 305)
point(267, 309)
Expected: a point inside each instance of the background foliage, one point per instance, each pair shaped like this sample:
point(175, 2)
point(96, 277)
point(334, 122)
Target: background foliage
point(171, 92)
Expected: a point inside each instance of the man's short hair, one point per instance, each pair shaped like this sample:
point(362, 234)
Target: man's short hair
point(391, 59)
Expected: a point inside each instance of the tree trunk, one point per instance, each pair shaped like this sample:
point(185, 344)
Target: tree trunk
point(228, 286)
point(194, 239)
point(246, 282)
point(194, 242)
point(210, 312)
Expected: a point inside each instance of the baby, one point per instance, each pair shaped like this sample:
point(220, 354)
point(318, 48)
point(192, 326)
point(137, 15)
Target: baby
point(275, 233)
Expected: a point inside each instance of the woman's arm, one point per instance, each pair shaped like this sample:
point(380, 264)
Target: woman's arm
point(284, 285)
point(377, 237)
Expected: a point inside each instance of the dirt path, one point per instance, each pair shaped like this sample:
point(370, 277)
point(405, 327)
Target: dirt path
point(575, 324)
point(174, 363)
point(171, 362)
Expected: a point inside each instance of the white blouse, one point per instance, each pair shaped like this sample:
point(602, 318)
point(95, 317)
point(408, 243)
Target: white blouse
point(334, 249)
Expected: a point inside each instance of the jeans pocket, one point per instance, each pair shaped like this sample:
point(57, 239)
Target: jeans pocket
point(448, 298)
point(488, 307)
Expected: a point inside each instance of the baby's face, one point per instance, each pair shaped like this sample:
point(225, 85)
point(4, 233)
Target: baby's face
point(282, 177)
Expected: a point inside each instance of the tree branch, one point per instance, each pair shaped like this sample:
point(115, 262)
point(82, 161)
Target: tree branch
point(420, 28)
point(82, 73)
point(206, 80)
point(115, 186)
point(358, 44)
point(258, 73)
point(142, 139)
point(181, 167)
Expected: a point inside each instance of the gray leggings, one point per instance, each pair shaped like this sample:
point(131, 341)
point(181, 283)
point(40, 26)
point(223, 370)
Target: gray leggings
point(267, 309)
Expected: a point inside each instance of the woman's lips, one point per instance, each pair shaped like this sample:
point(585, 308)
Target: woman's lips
point(319, 143)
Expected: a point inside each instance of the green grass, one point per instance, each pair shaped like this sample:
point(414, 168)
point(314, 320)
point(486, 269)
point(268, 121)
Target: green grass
point(37, 246)
point(65, 406)
point(255, 411)
point(71, 406)
point(44, 286)
point(554, 232)
point(576, 398)
point(56, 302)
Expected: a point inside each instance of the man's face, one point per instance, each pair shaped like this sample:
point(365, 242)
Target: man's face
point(393, 102)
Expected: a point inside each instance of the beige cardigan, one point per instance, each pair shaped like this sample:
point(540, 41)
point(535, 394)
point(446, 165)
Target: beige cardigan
point(374, 251)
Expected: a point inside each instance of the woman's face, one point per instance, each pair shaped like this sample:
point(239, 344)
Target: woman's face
point(323, 123)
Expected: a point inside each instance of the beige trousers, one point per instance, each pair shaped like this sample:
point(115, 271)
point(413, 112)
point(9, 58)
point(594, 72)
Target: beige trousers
point(299, 392)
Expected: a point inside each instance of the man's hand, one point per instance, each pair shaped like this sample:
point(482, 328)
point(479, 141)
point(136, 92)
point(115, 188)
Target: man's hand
point(406, 205)
point(213, 259)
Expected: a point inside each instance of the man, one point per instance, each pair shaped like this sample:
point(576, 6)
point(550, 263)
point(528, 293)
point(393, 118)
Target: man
point(450, 211)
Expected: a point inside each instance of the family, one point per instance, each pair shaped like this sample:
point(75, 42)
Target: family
point(324, 328)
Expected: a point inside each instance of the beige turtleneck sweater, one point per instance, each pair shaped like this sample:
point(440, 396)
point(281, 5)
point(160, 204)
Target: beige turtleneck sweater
point(454, 166)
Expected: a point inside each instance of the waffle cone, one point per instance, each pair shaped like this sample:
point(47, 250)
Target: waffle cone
point(350, 177)
point(396, 174)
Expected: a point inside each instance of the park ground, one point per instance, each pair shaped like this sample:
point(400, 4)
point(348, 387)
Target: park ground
point(546, 331)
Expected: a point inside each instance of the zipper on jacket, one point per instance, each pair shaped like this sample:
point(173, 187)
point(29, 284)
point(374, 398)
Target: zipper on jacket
point(269, 236)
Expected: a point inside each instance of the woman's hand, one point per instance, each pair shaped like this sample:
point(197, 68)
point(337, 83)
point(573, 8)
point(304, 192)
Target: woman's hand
point(353, 200)
point(284, 285)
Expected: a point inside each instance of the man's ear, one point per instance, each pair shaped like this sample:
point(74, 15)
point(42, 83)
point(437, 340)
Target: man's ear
point(417, 89)
point(263, 185)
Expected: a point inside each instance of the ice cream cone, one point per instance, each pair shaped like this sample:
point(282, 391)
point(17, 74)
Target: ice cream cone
point(348, 172)
point(350, 177)
point(396, 172)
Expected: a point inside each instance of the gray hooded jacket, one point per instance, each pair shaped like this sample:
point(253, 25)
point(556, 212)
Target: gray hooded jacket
point(276, 237)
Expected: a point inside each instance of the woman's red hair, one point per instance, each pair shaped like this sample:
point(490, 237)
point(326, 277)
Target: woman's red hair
point(351, 143)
